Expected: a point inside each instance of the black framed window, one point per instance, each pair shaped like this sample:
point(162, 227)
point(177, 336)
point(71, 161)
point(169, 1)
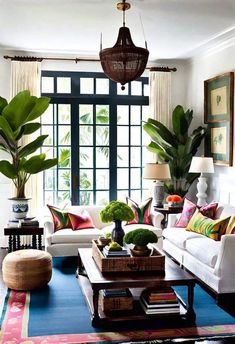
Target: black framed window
point(95, 129)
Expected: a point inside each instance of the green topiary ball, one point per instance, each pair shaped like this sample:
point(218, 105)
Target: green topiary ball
point(140, 237)
point(116, 210)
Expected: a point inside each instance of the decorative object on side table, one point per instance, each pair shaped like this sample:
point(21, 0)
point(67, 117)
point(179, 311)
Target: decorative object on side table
point(174, 201)
point(218, 113)
point(16, 121)
point(176, 148)
point(202, 165)
point(140, 237)
point(117, 212)
point(158, 173)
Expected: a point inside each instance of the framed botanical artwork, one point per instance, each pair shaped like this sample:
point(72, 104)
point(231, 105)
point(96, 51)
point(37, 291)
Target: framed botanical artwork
point(218, 98)
point(219, 143)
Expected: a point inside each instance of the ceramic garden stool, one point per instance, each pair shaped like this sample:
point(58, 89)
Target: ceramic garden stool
point(27, 269)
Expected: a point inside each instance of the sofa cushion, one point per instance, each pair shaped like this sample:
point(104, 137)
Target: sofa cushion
point(187, 212)
point(141, 211)
point(60, 218)
point(204, 249)
point(209, 210)
point(208, 227)
point(68, 236)
point(179, 236)
point(81, 221)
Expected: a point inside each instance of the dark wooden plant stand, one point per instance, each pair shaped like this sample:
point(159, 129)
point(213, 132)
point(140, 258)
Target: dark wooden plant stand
point(14, 234)
point(92, 281)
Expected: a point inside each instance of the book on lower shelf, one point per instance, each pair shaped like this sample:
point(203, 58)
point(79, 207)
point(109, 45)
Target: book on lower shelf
point(162, 301)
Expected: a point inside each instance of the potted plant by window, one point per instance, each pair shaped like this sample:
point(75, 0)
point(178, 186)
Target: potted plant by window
point(176, 147)
point(140, 237)
point(117, 212)
point(17, 119)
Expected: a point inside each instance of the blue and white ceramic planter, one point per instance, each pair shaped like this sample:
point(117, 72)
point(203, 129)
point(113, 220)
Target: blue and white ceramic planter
point(19, 207)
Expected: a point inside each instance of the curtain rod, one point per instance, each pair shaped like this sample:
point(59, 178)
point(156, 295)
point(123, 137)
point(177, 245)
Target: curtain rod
point(76, 60)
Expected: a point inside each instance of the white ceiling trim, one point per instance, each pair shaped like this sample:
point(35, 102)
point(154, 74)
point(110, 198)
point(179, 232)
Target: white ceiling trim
point(217, 43)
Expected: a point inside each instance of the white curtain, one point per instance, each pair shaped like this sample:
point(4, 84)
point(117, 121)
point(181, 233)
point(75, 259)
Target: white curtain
point(26, 75)
point(160, 97)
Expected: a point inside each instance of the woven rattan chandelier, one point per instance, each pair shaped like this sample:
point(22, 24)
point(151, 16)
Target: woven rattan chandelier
point(124, 62)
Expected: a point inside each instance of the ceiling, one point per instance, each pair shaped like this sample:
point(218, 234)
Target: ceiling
point(173, 28)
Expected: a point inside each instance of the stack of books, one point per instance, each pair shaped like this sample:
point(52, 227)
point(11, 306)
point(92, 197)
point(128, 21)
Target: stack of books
point(27, 222)
point(118, 253)
point(160, 301)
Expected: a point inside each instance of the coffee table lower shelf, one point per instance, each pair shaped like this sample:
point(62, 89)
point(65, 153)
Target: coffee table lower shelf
point(137, 313)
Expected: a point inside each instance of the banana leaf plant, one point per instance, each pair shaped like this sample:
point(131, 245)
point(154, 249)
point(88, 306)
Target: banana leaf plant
point(17, 119)
point(176, 147)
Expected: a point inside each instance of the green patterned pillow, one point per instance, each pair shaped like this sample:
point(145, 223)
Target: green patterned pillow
point(213, 229)
point(60, 218)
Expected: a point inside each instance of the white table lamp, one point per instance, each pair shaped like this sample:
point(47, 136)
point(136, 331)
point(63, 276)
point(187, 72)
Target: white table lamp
point(202, 165)
point(158, 173)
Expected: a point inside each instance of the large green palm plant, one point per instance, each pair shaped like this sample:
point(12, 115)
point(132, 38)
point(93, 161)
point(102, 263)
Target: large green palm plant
point(176, 148)
point(17, 119)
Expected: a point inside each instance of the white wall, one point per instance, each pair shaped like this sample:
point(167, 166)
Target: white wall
point(201, 68)
point(4, 182)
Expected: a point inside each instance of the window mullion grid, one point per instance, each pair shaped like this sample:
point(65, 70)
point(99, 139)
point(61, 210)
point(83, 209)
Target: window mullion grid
point(94, 154)
point(141, 148)
point(129, 151)
point(57, 149)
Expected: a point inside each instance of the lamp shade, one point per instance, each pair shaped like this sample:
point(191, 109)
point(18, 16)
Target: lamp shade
point(155, 171)
point(202, 165)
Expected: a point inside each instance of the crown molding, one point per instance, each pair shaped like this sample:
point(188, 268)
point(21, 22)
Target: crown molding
point(215, 44)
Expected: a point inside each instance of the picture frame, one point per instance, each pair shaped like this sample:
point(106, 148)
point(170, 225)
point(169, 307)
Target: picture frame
point(219, 143)
point(219, 98)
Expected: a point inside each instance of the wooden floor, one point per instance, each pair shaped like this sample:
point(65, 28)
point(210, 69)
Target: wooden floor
point(229, 308)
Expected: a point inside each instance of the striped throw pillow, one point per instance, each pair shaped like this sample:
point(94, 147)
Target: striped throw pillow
point(213, 229)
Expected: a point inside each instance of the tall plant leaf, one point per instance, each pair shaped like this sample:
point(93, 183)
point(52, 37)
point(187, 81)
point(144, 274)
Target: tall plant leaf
point(16, 112)
point(8, 169)
point(3, 103)
point(179, 153)
point(32, 146)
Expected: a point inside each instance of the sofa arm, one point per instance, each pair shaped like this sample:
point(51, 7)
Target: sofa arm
point(225, 265)
point(49, 227)
point(157, 218)
point(172, 218)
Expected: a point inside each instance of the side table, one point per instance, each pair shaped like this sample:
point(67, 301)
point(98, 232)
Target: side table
point(14, 234)
point(166, 211)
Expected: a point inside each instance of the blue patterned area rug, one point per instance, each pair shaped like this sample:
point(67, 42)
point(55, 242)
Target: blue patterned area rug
point(58, 314)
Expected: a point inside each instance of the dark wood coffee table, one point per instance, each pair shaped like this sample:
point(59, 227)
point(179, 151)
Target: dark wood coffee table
point(92, 281)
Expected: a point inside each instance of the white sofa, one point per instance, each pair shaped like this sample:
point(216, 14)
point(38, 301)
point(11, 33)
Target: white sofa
point(65, 242)
point(213, 262)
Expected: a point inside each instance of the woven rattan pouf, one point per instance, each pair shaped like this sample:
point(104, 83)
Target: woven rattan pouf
point(27, 269)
